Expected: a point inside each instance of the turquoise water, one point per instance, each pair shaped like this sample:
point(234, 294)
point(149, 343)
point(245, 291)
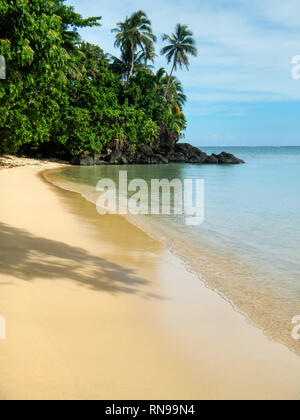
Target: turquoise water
point(255, 208)
point(248, 247)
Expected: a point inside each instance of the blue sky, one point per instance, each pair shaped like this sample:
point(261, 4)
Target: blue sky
point(240, 89)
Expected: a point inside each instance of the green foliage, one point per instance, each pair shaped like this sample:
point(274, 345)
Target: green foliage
point(180, 45)
point(95, 115)
point(30, 41)
point(71, 21)
point(135, 39)
point(70, 93)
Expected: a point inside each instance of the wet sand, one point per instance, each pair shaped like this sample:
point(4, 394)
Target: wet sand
point(96, 309)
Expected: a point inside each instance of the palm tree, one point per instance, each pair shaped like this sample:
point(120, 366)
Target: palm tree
point(181, 45)
point(135, 32)
point(175, 94)
point(122, 66)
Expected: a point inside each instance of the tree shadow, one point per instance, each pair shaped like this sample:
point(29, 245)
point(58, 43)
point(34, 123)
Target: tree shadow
point(28, 257)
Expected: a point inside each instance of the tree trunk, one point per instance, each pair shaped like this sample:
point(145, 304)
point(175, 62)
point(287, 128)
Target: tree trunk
point(132, 62)
point(169, 81)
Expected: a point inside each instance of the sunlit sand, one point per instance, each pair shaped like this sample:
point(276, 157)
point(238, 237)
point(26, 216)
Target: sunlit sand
point(96, 309)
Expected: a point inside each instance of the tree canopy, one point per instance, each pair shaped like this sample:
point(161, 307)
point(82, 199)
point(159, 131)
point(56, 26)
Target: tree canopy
point(67, 96)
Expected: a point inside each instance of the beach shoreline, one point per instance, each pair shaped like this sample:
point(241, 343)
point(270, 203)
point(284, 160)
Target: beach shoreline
point(11, 161)
point(96, 309)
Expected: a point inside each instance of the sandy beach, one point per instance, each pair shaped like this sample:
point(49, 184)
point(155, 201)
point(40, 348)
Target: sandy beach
point(96, 309)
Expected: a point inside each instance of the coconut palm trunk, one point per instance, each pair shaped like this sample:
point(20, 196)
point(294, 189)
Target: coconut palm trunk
point(132, 62)
point(169, 81)
point(135, 32)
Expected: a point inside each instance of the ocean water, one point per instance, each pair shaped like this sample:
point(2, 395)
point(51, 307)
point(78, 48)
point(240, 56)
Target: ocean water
point(248, 247)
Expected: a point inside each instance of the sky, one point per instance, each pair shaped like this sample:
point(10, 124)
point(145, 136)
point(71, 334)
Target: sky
point(240, 88)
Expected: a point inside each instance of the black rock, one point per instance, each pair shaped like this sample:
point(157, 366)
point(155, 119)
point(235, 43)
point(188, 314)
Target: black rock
point(84, 159)
point(116, 157)
point(166, 141)
point(162, 159)
point(146, 150)
point(165, 149)
point(213, 160)
point(99, 161)
point(228, 159)
point(192, 154)
point(176, 157)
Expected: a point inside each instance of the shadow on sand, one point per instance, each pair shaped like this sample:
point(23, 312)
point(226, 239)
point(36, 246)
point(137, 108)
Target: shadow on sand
point(28, 257)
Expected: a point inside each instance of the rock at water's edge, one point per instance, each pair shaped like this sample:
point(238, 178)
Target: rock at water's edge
point(165, 149)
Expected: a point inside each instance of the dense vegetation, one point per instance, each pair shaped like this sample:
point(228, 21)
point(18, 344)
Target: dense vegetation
point(68, 96)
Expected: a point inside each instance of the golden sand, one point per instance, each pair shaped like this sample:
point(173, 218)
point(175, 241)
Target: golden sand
point(95, 309)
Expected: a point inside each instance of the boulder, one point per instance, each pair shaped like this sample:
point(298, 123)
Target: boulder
point(116, 157)
point(162, 159)
point(100, 162)
point(176, 157)
point(213, 160)
point(228, 159)
point(146, 150)
point(166, 140)
point(83, 159)
point(192, 154)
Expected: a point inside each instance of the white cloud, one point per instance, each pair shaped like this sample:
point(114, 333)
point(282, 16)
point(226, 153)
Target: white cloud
point(245, 46)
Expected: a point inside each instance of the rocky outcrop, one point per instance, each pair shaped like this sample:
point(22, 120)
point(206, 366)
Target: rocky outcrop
point(85, 159)
point(189, 153)
point(165, 149)
point(166, 142)
point(227, 159)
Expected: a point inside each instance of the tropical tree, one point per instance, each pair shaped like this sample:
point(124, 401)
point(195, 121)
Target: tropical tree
point(122, 66)
point(70, 23)
point(63, 97)
point(134, 36)
point(181, 44)
point(30, 41)
point(160, 76)
point(175, 93)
